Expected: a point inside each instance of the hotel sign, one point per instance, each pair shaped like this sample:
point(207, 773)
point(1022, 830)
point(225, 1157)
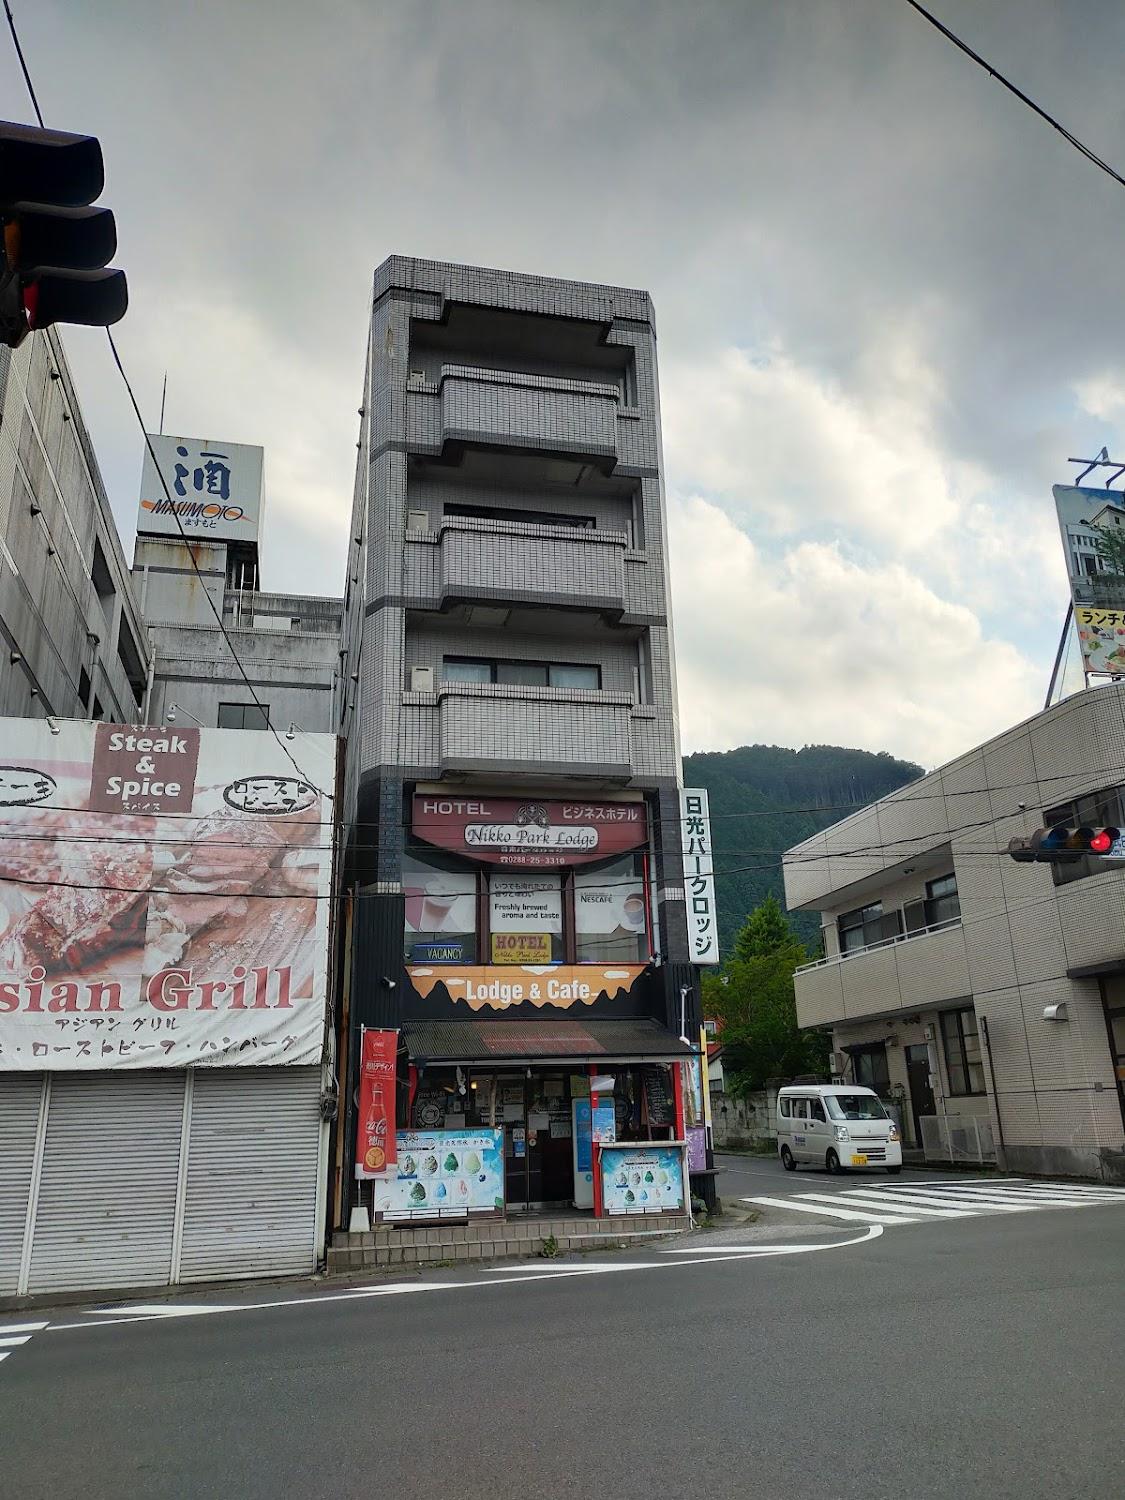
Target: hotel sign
point(527, 832)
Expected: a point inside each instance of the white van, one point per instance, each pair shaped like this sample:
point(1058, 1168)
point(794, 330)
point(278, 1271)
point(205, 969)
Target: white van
point(836, 1126)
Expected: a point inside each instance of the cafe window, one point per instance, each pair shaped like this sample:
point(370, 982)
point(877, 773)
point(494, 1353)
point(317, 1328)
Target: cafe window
point(555, 674)
point(962, 1051)
point(525, 918)
point(441, 909)
point(610, 912)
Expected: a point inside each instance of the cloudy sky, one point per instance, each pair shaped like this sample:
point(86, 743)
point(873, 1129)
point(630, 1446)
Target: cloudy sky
point(888, 297)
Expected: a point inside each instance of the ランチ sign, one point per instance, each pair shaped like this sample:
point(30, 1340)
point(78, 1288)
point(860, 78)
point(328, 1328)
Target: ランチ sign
point(529, 833)
point(213, 489)
point(163, 897)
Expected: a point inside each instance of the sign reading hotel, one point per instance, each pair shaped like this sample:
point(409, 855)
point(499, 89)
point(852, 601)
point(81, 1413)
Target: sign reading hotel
point(164, 897)
point(210, 488)
point(529, 833)
point(699, 877)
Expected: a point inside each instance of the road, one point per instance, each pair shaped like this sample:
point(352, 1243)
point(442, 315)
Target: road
point(975, 1356)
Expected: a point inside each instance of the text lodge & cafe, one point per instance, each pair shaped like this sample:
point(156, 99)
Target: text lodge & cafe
point(534, 1023)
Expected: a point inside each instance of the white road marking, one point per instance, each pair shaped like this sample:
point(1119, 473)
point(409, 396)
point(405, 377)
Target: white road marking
point(535, 1279)
point(834, 1213)
point(13, 1335)
point(870, 1198)
point(22, 1327)
point(14, 1340)
point(1018, 1190)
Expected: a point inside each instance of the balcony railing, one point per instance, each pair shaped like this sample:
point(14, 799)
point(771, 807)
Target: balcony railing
point(890, 942)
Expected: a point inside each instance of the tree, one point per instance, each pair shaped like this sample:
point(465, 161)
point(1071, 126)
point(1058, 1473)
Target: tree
point(766, 930)
point(1111, 547)
point(754, 998)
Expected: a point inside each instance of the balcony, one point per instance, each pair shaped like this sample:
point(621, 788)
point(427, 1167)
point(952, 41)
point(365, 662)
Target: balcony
point(515, 562)
point(910, 972)
point(553, 731)
point(502, 408)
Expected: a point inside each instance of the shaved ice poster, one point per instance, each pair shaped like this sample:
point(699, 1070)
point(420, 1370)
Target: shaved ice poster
point(442, 1174)
point(642, 1179)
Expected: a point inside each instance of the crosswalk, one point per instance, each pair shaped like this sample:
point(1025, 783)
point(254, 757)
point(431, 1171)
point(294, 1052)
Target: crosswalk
point(14, 1335)
point(892, 1204)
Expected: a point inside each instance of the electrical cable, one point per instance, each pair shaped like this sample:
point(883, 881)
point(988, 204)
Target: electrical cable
point(992, 72)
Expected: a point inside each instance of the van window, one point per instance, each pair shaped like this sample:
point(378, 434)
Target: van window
point(855, 1107)
point(783, 1106)
point(816, 1110)
point(800, 1109)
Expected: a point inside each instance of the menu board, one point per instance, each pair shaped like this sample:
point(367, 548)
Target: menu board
point(443, 1174)
point(659, 1097)
point(645, 1179)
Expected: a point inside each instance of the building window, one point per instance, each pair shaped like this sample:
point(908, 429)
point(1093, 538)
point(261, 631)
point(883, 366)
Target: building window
point(526, 517)
point(610, 912)
point(130, 659)
point(555, 674)
point(244, 716)
point(441, 909)
point(869, 1066)
point(866, 926)
point(1096, 810)
point(525, 918)
point(942, 901)
point(102, 579)
point(962, 1051)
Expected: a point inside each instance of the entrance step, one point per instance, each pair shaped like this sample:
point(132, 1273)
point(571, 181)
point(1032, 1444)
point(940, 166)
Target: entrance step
point(490, 1239)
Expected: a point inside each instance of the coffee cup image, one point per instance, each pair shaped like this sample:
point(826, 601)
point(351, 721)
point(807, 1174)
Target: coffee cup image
point(633, 912)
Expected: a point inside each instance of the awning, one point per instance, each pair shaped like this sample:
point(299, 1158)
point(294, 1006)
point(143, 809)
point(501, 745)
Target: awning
point(542, 1041)
point(1096, 971)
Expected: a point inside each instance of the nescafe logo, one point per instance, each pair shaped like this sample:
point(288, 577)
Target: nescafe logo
point(270, 794)
point(21, 786)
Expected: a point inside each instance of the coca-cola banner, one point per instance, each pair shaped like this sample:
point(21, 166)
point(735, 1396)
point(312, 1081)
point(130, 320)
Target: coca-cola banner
point(164, 896)
point(528, 832)
point(375, 1127)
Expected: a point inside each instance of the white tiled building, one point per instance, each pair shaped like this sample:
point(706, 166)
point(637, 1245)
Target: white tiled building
point(944, 958)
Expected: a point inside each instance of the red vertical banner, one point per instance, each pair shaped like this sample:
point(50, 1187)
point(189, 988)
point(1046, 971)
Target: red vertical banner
point(375, 1128)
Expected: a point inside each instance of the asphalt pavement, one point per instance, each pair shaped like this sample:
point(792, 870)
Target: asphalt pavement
point(981, 1356)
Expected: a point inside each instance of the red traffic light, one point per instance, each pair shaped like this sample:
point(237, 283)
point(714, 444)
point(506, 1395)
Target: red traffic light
point(1103, 839)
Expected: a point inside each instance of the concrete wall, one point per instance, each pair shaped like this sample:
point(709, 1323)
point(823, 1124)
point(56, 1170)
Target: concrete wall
point(55, 521)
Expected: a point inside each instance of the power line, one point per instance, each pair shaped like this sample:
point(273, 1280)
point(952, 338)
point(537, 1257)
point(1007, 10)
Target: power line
point(992, 72)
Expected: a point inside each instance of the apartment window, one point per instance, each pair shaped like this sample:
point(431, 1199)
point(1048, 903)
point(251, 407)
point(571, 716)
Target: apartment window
point(244, 716)
point(102, 579)
point(869, 1066)
point(867, 925)
point(942, 901)
point(527, 517)
point(130, 659)
point(1095, 810)
point(962, 1051)
point(556, 674)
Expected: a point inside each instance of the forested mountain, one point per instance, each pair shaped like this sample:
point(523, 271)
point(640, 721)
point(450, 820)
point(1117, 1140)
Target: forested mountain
point(791, 794)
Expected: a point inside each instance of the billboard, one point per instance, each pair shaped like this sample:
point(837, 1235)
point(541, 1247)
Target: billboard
point(164, 896)
point(526, 832)
point(699, 876)
point(1097, 589)
point(213, 488)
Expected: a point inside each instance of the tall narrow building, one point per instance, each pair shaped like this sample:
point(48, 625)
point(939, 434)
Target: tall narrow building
point(508, 698)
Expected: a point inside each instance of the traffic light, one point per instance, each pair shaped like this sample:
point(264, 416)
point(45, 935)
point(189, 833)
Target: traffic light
point(1063, 845)
point(55, 244)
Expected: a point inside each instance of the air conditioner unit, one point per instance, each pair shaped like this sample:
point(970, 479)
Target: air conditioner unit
point(421, 679)
point(417, 520)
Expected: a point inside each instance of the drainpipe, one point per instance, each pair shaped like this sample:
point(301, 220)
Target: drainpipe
point(150, 674)
point(992, 1079)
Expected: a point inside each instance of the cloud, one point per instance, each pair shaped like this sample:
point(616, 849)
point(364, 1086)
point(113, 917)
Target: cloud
point(868, 657)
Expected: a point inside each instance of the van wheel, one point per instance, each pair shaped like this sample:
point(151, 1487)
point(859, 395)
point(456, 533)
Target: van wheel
point(893, 1171)
point(787, 1159)
point(832, 1162)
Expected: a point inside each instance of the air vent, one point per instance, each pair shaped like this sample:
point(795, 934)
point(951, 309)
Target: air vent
point(421, 679)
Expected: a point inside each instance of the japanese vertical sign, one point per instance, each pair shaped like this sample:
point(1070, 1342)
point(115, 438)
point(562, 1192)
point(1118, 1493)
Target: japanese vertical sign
point(375, 1128)
point(699, 877)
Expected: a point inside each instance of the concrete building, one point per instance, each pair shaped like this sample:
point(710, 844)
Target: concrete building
point(509, 684)
point(986, 998)
point(71, 640)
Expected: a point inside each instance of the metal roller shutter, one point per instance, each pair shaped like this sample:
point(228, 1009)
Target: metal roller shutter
point(20, 1096)
point(107, 1196)
point(251, 1202)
